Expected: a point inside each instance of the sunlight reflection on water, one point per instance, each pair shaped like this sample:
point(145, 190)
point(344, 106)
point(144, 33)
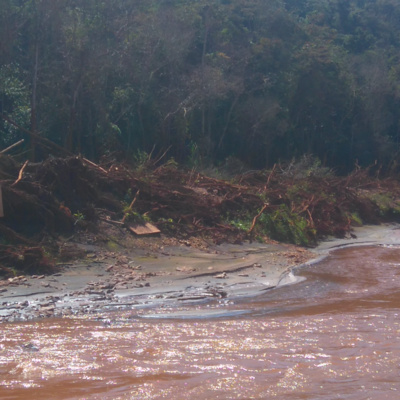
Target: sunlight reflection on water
point(324, 340)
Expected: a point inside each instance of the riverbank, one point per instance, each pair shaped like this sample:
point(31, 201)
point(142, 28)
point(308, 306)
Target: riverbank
point(156, 272)
point(46, 203)
point(161, 272)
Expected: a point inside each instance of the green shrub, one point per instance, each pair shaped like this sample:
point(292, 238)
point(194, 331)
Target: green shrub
point(285, 226)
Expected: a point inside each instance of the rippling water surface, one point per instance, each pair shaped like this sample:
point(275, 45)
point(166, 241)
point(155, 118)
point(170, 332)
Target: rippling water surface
point(336, 335)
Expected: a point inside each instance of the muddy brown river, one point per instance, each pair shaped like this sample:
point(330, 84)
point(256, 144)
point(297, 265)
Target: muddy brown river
point(334, 335)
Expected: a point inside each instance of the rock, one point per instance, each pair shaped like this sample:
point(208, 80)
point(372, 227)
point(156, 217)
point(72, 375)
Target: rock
point(29, 347)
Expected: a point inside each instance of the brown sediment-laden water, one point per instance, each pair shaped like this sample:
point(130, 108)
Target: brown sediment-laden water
point(334, 335)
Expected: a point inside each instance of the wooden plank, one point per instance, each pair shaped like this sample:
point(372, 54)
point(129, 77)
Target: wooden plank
point(1, 204)
point(145, 229)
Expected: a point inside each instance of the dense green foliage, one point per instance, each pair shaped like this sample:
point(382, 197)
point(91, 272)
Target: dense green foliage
point(260, 80)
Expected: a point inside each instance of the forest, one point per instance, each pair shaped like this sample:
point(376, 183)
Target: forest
point(257, 81)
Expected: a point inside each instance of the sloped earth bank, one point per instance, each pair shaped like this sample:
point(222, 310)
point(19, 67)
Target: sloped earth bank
point(66, 247)
point(65, 196)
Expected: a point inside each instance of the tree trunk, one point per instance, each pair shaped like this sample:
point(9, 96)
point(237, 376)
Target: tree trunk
point(33, 122)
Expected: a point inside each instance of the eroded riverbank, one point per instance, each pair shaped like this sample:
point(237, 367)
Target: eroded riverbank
point(155, 276)
point(159, 275)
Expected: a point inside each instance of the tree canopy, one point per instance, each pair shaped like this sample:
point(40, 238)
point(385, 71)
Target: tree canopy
point(259, 80)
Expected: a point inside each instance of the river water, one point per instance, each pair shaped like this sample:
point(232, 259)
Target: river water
point(335, 335)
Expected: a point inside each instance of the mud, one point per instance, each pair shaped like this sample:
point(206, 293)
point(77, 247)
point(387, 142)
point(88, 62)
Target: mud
point(156, 275)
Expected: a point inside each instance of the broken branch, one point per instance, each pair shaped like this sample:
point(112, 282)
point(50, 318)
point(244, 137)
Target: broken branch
point(131, 206)
point(12, 146)
point(256, 217)
point(91, 163)
point(21, 172)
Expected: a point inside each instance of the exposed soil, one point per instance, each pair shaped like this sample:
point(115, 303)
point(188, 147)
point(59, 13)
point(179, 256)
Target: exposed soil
point(67, 196)
point(135, 273)
point(69, 217)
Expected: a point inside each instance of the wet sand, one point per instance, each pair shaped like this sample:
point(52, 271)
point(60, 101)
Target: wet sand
point(159, 275)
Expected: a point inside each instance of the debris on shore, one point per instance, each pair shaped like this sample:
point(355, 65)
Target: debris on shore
point(45, 204)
